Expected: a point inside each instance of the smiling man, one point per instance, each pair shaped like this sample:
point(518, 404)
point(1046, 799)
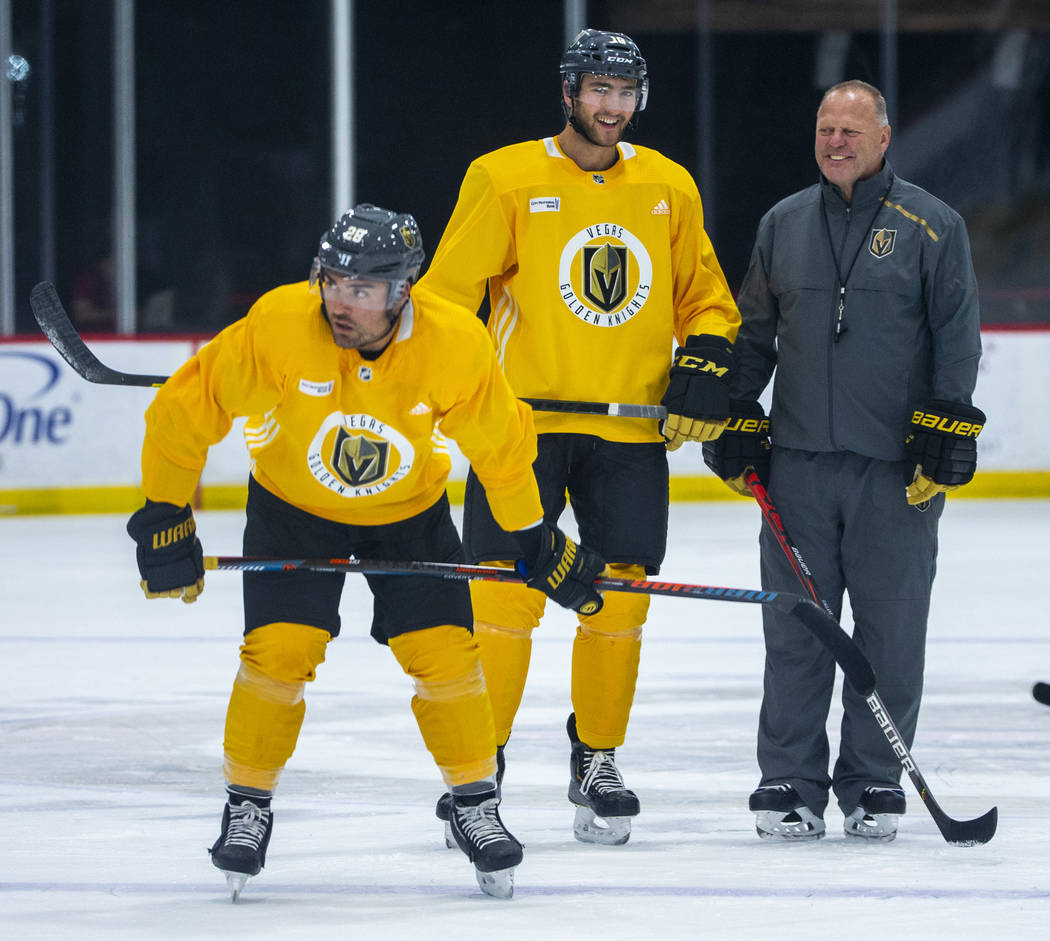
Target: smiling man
point(852, 136)
point(861, 293)
point(595, 258)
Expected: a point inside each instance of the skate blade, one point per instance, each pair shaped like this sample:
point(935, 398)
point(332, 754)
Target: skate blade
point(876, 828)
point(588, 827)
point(450, 840)
point(770, 825)
point(235, 882)
point(498, 884)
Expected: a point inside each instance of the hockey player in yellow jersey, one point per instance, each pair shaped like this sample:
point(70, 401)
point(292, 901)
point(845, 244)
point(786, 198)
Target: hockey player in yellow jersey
point(345, 381)
point(596, 262)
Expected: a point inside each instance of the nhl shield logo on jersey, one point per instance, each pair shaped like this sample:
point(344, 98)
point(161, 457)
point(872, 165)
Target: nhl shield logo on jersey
point(605, 275)
point(882, 241)
point(358, 455)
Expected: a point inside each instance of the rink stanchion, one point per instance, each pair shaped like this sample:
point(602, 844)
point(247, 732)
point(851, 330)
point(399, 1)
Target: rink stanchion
point(958, 832)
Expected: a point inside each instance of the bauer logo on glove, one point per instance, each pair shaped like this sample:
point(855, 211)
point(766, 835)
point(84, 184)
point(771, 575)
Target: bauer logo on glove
point(941, 449)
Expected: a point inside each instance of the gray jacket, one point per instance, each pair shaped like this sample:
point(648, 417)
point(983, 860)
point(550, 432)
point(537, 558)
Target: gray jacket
point(910, 328)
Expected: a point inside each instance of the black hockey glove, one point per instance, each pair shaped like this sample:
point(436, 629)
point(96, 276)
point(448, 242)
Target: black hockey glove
point(169, 554)
point(561, 569)
point(941, 448)
point(743, 443)
point(697, 396)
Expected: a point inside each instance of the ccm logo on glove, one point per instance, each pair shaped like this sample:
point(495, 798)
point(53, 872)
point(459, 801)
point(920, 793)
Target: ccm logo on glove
point(698, 364)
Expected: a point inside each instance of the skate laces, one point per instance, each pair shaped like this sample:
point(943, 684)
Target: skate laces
point(248, 824)
point(601, 775)
point(480, 824)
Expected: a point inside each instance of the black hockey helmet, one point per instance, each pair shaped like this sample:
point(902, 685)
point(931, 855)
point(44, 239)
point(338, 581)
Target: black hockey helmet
point(602, 53)
point(373, 243)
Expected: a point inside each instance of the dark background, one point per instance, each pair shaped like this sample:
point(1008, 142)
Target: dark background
point(233, 147)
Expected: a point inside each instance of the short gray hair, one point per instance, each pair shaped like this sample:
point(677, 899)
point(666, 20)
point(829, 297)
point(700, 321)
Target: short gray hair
point(856, 85)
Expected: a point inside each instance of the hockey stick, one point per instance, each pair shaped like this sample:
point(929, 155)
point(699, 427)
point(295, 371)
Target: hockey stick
point(59, 329)
point(854, 664)
point(959, 832)
point(619, 409)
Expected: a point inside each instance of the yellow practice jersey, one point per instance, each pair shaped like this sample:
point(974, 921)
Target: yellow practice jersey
point(340, 436)
point(592, 276)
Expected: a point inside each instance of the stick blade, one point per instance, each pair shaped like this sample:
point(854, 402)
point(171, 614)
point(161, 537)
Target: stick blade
point(970, 832)
point(58, 328)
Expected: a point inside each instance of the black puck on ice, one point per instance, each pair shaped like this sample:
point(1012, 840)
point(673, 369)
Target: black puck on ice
point(1041, 693)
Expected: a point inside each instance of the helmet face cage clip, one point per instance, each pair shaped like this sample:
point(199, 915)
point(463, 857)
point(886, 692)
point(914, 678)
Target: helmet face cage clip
point(372, 244)
point(597, 52)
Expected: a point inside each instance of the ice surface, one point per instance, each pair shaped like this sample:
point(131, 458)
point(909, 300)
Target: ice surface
point(111, 785)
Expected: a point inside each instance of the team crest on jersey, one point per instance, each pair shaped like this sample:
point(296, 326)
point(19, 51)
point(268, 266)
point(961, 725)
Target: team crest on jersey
point(358, 455)
point(882, 241)
point(605, 275)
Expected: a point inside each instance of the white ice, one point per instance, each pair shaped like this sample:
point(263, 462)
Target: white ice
point(111, 787)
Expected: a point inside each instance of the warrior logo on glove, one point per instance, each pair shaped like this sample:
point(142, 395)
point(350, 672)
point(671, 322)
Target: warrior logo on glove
point(169, 554)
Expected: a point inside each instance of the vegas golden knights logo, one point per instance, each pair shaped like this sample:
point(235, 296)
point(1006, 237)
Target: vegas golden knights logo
point(358, 460)
point(881, 243)
point(604, 279)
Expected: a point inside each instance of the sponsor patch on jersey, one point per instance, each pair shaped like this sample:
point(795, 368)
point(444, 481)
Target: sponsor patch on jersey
point(882, 241)
point(358, 455)
point(420, 408)
point(605, 275)
point(598, 178)
point(364, 373)
point(661, 209)
point(316, 388)
point(545, 204)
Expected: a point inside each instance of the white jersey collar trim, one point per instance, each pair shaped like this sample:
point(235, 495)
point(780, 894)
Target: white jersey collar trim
point(408, 317)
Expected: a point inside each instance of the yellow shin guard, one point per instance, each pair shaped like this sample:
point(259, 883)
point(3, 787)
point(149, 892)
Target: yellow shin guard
point(605, 657)
point(504, 618)
point(266, 706)
point(451, 705)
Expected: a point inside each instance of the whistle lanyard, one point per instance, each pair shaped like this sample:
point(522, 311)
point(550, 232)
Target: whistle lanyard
point(840, 319)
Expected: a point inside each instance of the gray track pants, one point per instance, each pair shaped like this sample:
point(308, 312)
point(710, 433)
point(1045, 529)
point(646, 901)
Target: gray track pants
point(848, 516)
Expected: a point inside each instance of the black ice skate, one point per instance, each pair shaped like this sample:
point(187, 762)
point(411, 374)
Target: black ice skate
point(444, 804)
point(240, 850)
point(477, 829)
point(875, 818)
point(781, 814)
point(604, 807)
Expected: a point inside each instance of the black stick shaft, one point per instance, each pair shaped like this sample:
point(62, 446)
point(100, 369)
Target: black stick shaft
point(59, 329)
